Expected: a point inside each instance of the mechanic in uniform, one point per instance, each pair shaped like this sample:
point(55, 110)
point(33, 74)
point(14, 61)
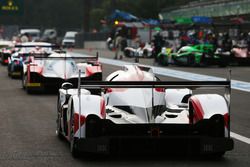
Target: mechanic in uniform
point(158, 42)
point(226, 42)
point(118, 44)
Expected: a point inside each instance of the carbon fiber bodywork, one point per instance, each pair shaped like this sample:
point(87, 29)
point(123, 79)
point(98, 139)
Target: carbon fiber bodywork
point(205, 137)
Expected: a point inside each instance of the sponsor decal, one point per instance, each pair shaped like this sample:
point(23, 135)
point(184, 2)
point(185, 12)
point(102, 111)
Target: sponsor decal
point(33, 84)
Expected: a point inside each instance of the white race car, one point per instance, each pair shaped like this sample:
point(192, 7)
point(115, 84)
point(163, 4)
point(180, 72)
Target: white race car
point(145, 51)
point(138, 114)
point(45, 71)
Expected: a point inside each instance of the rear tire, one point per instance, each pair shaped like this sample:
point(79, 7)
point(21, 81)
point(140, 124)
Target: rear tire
point(145, 53)
point(127, 53)
point(58, 127)
point(73, 149)
point(217, 155)
point(191, 61)
point(223, 62)
point(24, 81)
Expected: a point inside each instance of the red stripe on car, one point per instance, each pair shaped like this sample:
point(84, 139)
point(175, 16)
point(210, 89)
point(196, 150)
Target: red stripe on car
point(76, 121)
point(226, 119)
point(198, 114)
point(92, 70)
point(103, 108)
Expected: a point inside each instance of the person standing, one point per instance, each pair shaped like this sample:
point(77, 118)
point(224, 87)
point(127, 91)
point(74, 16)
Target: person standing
point(158, 44)
point(118, 45)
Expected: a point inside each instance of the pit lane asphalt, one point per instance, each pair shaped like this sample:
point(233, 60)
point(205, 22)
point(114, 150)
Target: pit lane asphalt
point(27, 132)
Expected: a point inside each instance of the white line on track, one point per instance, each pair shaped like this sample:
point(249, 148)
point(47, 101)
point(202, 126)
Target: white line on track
point(239, 137)
point(239, 85)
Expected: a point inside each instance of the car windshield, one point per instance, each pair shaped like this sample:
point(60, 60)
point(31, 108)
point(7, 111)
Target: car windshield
point(33, 34)
point(36, 49)
point(143, 113)
point(70, 38)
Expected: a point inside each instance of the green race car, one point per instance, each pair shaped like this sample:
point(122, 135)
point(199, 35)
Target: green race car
point(196, 55)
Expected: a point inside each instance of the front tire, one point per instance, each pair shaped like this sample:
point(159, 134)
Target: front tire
point(191, 60)
point(145, 53)
point(58, 127)
point(127, 53)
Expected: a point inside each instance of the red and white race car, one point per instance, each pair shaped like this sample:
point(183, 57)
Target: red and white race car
point(6, 49)
point(241, 54)
point(139, 114)
point(49, 70)
point(142, 51)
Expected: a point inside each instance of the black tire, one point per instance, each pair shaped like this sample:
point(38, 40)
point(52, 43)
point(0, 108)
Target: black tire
point(214, 156)
point(191, 60)
point(58, 121)
point(58, 127)
point(219, 154)
point(204, 61)
point(127, 53)
point(12, 76)
point(145, 54)
point(24, 81)
point(73, 149)
point(163, 60)
point(8, 69)
point(223, 62)
point(29, 91)
point(2, 59)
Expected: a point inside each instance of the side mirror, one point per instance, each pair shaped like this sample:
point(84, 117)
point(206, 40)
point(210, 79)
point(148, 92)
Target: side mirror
point(67, 85)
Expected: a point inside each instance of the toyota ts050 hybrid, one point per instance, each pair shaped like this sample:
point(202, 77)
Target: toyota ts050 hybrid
point(48, 71)
point(139, 114)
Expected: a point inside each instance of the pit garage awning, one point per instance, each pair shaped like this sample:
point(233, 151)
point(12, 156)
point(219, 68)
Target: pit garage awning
point(202, 20)
point(120, 15)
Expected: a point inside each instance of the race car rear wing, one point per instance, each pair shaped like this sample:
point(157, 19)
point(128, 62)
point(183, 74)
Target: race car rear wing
point(193, 85)
point(41, 46)
point(63, 53)
point(156, 84)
